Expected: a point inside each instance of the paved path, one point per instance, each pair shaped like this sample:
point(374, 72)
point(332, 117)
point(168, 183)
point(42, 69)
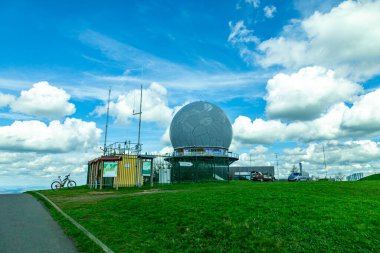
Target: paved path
point(26, 226)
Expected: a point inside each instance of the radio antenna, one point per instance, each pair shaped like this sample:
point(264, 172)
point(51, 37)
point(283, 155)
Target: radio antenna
point(138, 138)
point(108, 114)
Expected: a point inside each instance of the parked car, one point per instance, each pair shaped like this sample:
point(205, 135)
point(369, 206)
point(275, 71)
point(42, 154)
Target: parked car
point(258, 176)
point(296, 177)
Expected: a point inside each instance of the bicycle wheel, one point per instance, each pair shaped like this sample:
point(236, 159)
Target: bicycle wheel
point(71, 184)
point(55, 185)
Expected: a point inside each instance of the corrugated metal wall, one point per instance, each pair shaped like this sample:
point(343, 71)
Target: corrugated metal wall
point(127, 171)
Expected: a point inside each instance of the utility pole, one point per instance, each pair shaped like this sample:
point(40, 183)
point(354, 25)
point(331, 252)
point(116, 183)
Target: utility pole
point(138, 139)
point(278, 173)
point(324, 158)
point(108, 112)
point(250, 160)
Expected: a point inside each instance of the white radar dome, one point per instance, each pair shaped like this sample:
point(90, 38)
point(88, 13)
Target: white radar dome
point(200, 124)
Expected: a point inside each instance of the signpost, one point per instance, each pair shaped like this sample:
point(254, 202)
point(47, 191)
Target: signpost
point(146, 168)
point(110, 170)
point(185, 164)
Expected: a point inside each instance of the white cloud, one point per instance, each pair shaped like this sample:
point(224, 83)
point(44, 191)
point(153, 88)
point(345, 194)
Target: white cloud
point(254, 3)
point(343, 39)
point(154, 105)
point(6, 99)
point(257, 156)
point(307, 8)
point(341, 157)
point(165, 139)
point(364, 115)
point(287, 52)
point(361, 120)
point(327, 127)
point(28, 170)
point(166, 150)
point(72, 134)
point(241, 37)
point(247, 131)
point(269, 11)
point(43, 100)
point(307, 94)
point(259, 131)
point(240, 34)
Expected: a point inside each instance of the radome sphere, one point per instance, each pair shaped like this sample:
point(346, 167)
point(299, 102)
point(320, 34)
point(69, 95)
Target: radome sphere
point(200, 124)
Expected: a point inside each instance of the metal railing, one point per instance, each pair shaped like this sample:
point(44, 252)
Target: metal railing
point(121, 148)
point(205, 153)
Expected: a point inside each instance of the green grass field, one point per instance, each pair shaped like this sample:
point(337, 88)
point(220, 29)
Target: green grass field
point(231, 217)
point(372, 177)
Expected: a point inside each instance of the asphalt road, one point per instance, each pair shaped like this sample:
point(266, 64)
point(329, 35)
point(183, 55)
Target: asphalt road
point(26, 226)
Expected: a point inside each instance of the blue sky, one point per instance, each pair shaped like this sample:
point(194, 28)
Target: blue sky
point(291, 76)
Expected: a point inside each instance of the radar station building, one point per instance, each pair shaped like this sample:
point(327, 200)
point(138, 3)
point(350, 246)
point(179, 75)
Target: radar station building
point(201, 135)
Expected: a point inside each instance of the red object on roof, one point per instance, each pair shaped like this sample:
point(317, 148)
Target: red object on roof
point(106, 158)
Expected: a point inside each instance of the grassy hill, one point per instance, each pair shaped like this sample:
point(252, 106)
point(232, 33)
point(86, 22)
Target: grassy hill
point(372, 177)
point(231, 217)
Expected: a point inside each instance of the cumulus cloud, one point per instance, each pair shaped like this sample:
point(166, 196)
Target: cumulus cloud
point(364, 115)
point(307, 94)
point(247, 131)
point(6, 99)
point(28, 170)
point(32, 151)
point(341, 157)
point(256, 156)
point(165, 139)
point(154, 106)
point(72, 134)
point(343, 39)
point(45, 165)
point(166, 150)
point(361, 120)
point(43, 100)
point(326, 127)
point(290, 53)
point(269, 11)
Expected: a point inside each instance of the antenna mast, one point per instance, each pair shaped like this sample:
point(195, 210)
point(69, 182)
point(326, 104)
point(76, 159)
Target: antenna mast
point(138, 138)
point(108, 114)
point(139, 113)
point(324, 158)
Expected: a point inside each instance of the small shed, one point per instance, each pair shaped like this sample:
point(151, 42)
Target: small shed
point(125, 170)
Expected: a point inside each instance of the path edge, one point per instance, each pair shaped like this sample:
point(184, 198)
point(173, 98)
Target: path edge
point(79, 226)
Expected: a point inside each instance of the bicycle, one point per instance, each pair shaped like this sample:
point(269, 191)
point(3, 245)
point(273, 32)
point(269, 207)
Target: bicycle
point(59, 183)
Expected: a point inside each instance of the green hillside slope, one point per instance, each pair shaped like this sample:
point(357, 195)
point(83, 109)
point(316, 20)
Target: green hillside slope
point(372, 177)
point(232, 217)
